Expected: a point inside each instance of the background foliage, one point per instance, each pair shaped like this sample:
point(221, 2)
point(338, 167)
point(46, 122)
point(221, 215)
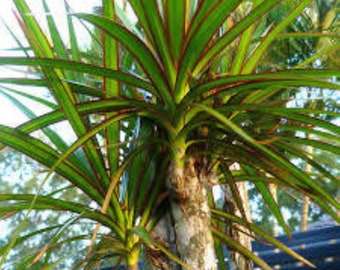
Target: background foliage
point(246, 83)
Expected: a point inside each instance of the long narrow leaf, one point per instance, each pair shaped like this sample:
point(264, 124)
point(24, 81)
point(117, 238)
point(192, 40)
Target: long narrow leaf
point(229, 37)
point(111, 87)
point(255, 57)
point(138, 49)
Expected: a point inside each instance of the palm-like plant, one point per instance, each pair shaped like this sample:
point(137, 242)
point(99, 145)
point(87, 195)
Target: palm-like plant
point(181, 96)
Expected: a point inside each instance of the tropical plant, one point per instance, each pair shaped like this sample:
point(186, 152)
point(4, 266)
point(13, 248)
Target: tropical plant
point(321, 16)
point(20, 174)
point(168, 107)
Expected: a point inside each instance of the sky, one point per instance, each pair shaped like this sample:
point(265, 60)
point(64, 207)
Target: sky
point(9, 115)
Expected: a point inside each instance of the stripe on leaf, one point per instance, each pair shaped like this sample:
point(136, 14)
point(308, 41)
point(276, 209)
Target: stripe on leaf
point(263, 46)
point(162, 46)
point(61, 91)
point(257, 230)
point(111, 87)
point(198, 42)
point(138, 49)
point(47, 156)
point(176, 11)
point(82, 68)
point(233, 33)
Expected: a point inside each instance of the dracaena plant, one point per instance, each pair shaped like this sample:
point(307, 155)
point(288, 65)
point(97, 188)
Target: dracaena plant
point(173, 98)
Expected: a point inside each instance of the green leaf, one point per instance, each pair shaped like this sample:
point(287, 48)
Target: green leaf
point(156, 26)
point(176, 20)
point(46, 155)
point(198, 42)
point(58, 44)
point(75, 87)
point(235, 245)
point(243, 46)
point(172, 256)
point(79, 67)
point(61, 91)
point(198, 15)
point(234, 190)
point(273, 206)
point(144, 235)
point(50, 203)
point(110, 244)
point(261, 49)
point(111, 87)
point(140, 13)
point(259, 232)
point(138, 49)
point(233, 33)
point(27, 237)
point(59, 142)
point(279, 160)
point(316, 144)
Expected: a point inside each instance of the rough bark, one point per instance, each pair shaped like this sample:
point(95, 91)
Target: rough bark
point(132, 267)
point(338, 199)
point(304, 214)
point(164, 234)
point(273, 191)
point(244, 238)
point(306, 200)
point(192, 217)
point(236, 260)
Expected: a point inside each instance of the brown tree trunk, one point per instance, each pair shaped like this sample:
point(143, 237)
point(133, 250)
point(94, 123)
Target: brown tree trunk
point(132, 267)
point(338, 199)
point(192, 217)
point(245, 239)
point(306, 200)
point(164, 234)
point(236, 260)
point(304, 214)
point(273, 191)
